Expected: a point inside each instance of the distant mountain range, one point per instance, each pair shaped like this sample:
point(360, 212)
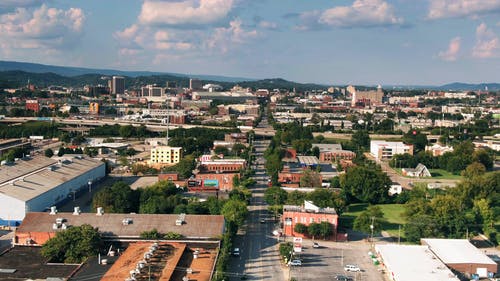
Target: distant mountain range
point(18, 73)
point(76, 71)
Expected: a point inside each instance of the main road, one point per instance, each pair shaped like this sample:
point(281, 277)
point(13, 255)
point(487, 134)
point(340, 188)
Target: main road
point(259, 258)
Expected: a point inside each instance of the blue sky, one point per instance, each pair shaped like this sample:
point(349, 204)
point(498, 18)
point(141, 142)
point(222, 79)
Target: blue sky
point(425, 42)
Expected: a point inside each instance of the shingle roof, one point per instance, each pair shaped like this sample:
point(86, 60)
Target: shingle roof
point(111, 225)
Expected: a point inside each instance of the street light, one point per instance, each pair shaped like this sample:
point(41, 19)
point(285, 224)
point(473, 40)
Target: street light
point(371, 227)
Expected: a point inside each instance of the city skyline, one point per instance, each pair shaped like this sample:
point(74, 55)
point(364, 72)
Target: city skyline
point(330, 42)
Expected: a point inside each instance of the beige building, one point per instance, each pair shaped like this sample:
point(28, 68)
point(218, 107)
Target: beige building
point(371, 97)
point(166, 155)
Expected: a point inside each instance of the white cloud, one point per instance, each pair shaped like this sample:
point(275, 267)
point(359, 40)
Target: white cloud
point(43, 27)
point(190, 12)
point(487, 43)
point(461, 8)
point(452, 52)
point(224, 37)
point(268, 25)
point(362, 13)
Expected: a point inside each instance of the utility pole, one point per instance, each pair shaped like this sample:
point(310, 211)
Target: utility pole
point(371, 227)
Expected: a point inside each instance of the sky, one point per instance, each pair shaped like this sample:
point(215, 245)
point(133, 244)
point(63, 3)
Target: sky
point(337, 42)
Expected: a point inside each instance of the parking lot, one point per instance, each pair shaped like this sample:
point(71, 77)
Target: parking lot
point(326, 262)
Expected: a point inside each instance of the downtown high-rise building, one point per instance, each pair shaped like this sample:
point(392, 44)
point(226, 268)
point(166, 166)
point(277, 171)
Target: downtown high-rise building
point(118, 85)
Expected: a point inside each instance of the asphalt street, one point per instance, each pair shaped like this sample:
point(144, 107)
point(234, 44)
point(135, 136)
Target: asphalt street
point(259, 259)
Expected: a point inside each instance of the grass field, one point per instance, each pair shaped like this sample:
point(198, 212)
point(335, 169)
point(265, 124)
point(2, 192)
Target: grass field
point(393, 217)
point(442, 174)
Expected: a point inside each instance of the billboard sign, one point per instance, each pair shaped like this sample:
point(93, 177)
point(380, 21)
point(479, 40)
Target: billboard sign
point(211, 183)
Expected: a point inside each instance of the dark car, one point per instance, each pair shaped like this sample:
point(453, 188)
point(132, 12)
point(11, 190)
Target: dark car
point(343, 278)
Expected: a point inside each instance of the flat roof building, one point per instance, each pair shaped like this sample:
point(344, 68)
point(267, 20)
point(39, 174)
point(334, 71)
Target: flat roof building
point(413, 263)
point(166, 155)
point(35, 184)
point(37, 227)
point(462, 256)
point(383, 150)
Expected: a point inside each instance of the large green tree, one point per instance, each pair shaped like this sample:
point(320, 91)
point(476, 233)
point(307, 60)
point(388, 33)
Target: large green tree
point(118, 198)
point(235, 211)
point(366, 184)
point(73, 245)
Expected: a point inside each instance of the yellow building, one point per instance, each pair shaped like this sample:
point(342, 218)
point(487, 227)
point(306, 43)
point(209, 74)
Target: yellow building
point(94, 108)
point(166, 155)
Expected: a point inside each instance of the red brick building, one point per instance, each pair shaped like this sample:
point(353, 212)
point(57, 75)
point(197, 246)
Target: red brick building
point(222, 165)
point(33, 105)
point(214, 181)
point(307, 214)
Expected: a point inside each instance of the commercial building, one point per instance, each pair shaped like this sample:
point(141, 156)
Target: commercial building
point(166, 155)
point(462, 256)
point(151, 91)
point(222, 165)
point(35, 184)
point(118, 85)
point(212, 181)
point(412, 263)
point(33, 105)
point(195, 84)
point(37, 227)
point(367, 98)
point(307, 214)
point(333, 152)
point(94, 108)
point(383, 150)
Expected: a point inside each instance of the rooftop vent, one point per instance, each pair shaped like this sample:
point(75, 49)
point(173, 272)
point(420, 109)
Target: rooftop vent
point(53, 210)
point(100, 211)
point(180, 219)
point(127, 221)
point(76, 211)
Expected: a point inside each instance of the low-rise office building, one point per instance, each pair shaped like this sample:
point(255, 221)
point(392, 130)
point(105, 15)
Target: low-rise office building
point(383, 150)
point(307, 214)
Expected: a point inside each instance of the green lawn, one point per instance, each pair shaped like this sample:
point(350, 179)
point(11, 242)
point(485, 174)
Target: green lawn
point(393, 217)
point(442, 174)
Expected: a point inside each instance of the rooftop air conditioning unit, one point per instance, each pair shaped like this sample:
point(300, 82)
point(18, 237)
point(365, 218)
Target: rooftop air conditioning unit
point(76, 211)
point(127, 221)
point(100, 211)
point(53, 210)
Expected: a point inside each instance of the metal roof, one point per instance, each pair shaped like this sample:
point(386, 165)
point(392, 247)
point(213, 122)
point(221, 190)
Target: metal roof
point(28, 178)
point(452, 251)
point(413, 263)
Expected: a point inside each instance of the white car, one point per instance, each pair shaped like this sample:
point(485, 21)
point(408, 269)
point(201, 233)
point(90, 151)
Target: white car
point(296, 262)
point(353, 268)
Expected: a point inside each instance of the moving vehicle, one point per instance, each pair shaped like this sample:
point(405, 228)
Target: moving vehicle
point(352, 268)
point(343, 278)
point(236, 252)
point(296, 262)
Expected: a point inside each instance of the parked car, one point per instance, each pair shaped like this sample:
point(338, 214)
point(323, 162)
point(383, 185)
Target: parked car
point(351, 267)
point(343, 278)
point(315, 245)
point(296, 262)
point(262, 220)
point(236, 252)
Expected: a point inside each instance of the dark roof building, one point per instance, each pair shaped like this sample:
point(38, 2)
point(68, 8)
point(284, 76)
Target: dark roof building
point(37, 228)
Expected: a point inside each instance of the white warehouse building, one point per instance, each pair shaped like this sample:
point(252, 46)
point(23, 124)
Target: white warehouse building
point(35, 184)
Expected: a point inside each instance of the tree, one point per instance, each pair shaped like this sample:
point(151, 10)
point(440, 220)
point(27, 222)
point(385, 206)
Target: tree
point(310, 179)
point(275, 195)
point(314, 229)
point(372, 216)
point(118, 198)
point(300, 228)
point(285, 250)
point(151, 234)
point(326, 229)
point(485, 214)
point(360, 140)
point(366, 184)
point(473, 170)
point(127, 131)
point(72, 245)
point(49, 152)
point(235, 211)
point(482, 156)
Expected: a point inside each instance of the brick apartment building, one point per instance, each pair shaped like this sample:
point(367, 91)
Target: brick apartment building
point(307, 214)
